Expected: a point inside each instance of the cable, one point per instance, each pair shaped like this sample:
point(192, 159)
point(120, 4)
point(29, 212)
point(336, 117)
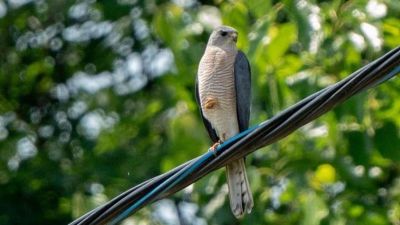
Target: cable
point(267, 132)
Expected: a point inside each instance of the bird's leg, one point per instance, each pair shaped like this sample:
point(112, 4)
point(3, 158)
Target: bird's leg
point(214, 147)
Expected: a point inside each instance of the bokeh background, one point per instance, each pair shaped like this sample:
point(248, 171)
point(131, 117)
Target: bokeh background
point(98, 96)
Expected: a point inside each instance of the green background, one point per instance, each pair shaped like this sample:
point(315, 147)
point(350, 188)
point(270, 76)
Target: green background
point(97, 96)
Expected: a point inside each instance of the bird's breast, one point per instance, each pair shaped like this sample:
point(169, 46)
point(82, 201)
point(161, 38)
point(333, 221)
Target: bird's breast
point(216, 78)
point(216, 86)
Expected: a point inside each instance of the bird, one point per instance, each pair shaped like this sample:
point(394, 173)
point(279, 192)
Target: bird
point(223, 94)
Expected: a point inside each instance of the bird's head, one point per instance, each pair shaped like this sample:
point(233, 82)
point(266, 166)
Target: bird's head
point(224, 37)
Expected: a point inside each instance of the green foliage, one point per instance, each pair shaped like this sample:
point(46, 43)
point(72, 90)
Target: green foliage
point(97, 96)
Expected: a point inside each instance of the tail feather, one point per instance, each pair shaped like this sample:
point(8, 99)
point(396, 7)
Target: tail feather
point(240, 196)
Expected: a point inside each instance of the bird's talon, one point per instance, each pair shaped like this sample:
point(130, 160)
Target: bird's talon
point(214, 147)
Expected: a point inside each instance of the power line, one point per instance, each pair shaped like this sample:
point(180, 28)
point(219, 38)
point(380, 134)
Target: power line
point(268, 132)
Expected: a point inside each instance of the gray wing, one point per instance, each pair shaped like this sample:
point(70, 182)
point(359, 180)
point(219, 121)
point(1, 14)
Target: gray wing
point(211, 132)
point(243, 90)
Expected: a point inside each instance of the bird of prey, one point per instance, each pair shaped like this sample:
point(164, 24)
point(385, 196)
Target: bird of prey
point(223, 92)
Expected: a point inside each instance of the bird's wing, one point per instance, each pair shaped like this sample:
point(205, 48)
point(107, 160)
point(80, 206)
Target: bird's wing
point(211, 132)
point(243, 90)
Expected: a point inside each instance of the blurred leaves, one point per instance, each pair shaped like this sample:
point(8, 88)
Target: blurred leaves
point(97, 96)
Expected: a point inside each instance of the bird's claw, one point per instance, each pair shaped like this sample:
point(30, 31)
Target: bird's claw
point(214, 147)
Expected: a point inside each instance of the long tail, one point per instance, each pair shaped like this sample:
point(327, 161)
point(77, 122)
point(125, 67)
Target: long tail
point(240, 196)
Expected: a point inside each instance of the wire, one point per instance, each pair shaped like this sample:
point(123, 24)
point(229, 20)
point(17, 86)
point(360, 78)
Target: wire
point(166, 185)
point(267, 132)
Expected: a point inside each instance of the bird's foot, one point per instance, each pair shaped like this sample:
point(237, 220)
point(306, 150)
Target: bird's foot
point(214, 147)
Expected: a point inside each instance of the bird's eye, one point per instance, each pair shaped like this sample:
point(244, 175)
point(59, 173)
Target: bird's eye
point(224, 33)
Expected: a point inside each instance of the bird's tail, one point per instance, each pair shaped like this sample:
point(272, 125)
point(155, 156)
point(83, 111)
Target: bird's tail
point(240, 196)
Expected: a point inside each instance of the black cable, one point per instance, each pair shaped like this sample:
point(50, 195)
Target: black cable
point(266, 133)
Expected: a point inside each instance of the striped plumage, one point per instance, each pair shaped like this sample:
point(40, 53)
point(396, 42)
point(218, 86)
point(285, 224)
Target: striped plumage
point(217, 90)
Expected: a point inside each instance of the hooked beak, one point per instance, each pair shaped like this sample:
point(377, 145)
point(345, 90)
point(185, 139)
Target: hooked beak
point(234, 36)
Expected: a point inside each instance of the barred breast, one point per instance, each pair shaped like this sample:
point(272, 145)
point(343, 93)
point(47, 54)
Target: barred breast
point(217, 90)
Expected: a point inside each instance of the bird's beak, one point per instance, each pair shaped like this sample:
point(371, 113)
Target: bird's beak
point(234, 36)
